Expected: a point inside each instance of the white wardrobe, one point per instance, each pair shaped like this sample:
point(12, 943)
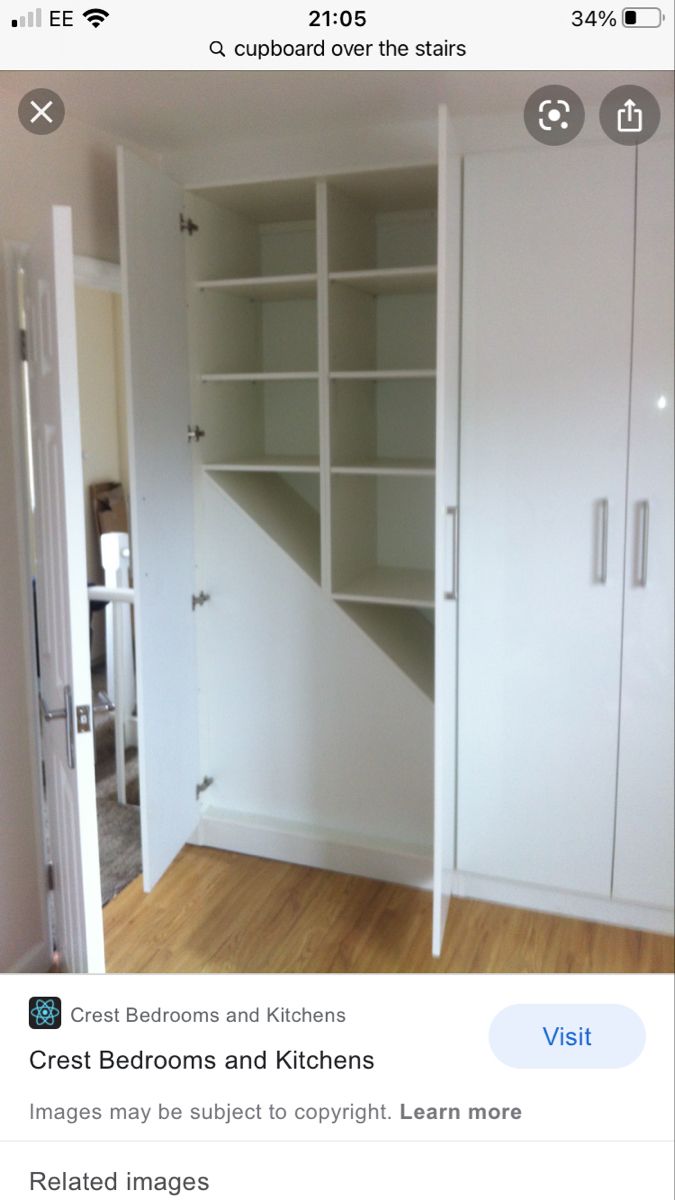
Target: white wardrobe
point(373, 635)
point(565, 716)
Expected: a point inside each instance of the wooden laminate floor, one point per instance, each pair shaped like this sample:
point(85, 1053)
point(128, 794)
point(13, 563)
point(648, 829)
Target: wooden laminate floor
point(216, 912)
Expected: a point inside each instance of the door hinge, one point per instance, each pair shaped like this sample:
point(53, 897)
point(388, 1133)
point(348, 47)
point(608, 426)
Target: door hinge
point(187, 225)
point(23, 345)
point(197, 601)
point(205, 783)
point(50, 877)
point(195, 434)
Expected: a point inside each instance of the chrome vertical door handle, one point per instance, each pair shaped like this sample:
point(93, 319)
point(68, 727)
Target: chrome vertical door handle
point(451, 544)
point(63, 714)
point(602, 539)
point(643, 543)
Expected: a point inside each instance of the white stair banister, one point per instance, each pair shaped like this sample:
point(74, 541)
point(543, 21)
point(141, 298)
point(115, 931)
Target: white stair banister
point(119, 648)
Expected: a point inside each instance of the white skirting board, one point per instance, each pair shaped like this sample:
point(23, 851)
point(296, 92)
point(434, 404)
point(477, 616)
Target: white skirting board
point(563, 904)
point(311, 846)
point(411, 866)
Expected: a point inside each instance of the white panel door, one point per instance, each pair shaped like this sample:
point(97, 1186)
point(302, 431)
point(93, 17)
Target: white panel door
point(153, 279)
point(62, 600)
point(544, 426)
point(643, 868)
point(447, 520)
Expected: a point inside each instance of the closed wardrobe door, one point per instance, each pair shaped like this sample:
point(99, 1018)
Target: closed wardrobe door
point(544, 425)
point(643, 868)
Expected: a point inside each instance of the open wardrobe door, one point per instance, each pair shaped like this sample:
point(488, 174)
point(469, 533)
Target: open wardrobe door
point(161, 473)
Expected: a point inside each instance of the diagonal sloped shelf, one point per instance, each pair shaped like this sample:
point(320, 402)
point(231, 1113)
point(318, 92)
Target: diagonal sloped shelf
point(279, 510)
point(404, 634)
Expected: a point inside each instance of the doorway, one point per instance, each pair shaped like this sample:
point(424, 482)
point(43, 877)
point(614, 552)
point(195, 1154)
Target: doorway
point(105, 471)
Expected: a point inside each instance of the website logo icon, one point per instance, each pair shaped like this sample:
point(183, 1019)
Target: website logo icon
point(44, 1012)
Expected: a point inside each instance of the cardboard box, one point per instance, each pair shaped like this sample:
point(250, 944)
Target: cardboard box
point(110, 508)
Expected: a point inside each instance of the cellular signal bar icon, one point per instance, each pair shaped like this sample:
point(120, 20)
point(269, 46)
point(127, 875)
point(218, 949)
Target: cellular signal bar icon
point(32, 20)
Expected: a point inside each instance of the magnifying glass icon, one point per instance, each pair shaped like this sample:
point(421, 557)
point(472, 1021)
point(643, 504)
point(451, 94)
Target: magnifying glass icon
point(217, 48)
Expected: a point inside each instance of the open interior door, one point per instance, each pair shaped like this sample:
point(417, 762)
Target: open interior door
point(162, 526)
point(447, 521)
point(62, 601)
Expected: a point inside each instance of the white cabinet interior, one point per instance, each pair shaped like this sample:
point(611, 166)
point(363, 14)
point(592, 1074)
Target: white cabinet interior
point(254, 346)
point(312, 314)
point(313, 317)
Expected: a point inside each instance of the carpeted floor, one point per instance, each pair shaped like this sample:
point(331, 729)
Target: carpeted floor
point(119, 835)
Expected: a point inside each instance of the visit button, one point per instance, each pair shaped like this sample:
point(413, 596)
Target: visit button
point(567, 1035)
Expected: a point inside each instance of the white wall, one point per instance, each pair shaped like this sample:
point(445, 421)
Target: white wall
point(74, 166)
point(328, 151)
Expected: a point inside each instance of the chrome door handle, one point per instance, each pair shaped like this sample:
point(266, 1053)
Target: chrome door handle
point(63, 714)
point(450, 592)
point(105, 704)
point(601, 564)
point(51, 714)
point(643, 543)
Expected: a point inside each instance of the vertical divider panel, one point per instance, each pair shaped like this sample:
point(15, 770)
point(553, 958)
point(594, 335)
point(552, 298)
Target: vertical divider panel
point(447, 490)
point(324, 382)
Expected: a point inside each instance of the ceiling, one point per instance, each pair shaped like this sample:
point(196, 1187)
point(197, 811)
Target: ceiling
point(167, 111)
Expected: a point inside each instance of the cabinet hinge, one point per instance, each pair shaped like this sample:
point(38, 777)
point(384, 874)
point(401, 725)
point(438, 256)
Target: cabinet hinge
point(187, 225)
point(205, 783)
point(23, 345)
point(197, 601)
point(50, 877)
point(195, 434)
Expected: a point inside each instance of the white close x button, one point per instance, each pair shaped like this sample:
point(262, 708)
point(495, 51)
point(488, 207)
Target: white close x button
point(41, 112)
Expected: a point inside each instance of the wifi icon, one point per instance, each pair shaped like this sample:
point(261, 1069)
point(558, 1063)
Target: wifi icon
point(95, 16)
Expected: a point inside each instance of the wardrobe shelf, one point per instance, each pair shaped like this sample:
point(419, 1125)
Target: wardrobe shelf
point(257, 376)
point(386, 466)
point(389, 281)
point(264, 287)
point(390, 585)
point(280, 463)
point(414, 373)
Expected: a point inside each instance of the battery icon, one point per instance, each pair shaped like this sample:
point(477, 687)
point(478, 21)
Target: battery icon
point(642, 18)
